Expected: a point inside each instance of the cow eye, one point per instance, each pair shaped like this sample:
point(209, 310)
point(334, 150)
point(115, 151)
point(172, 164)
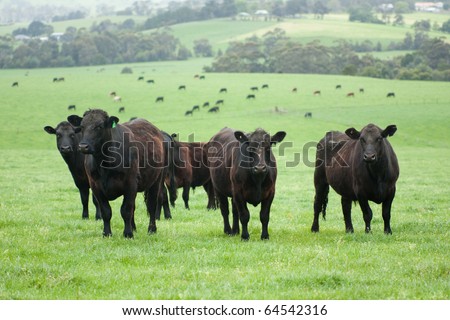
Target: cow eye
point(362, 140)
point(58, 135)
point(98, 128)
point(379, 139)
point(72, 135)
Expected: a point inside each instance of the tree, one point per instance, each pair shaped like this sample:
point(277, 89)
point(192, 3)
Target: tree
point(294, 7)
point(202, 48)
point(446, 26)
point(37, 28)
point(320, 9)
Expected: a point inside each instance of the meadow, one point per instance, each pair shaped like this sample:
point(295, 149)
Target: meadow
point(49, 252)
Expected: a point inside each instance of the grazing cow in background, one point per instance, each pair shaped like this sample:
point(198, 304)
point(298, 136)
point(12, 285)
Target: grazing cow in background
point(202, 77)
point(159, 99)
point(390, 95)
point(351, 94)
point(15, 84)
point(206, 104)
point(117, 99)
point(121, 109)
point(294, 90)
point(250, 96)
point(67, 143)
point(243, 168)
point(150, 81)
point(361, 90)
point(182, 87)
point(189, 113)
point(317, 93)
point(121, 160)
point(223, 90)
point(55, 79)
point(219, 101)
point(196, 107)
point(112, 94)
point(190, 171)
point(140, 78)
point(338, 86)
point(265, 86)
point(308, 115)
point(254, 88)
point(61, 79)
point(360, 166)
point(214, 109)
point(71, 107)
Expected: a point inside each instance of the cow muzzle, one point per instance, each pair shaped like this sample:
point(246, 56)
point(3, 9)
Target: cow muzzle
point(370, 157)
point(84, 148)
point(65, 149)
point(259, 169)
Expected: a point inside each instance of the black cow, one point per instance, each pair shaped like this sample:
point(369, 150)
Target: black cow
point(338, 86)
point(196, 107)
point(121, 109)
point(316, 93)
point(219, 102)
point(159, 99)
point(223, 90)
point(182, 87)
point(361, 90)
point(190, 171)
point(243, 168)
point(150, 81)
point(351, 94)
point(188, 113)
point(15, 84)
point(214, 109)
point(254, 88)
point(308, 115)
point(250, 96)
point(67, 143)
point(140, 78)
point(265, 86)
point(71, 107)
point(206, 104)
point(121, 160)
point(359, 166)
point(390, 95)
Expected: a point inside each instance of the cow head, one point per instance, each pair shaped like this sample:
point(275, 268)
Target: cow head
point(95, 127)
point(256, 150)
point(66, 137)
point(371, 139)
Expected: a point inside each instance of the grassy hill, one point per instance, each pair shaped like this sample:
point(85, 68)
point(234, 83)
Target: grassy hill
point(49, 252)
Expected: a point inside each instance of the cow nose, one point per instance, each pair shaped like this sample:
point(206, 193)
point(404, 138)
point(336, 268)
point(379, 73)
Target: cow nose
point(260, 169)
point(65, 149)
point(84, 147)
point(370, 157)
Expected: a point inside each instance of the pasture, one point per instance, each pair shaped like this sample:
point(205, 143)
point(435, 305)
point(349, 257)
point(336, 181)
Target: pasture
point(49, 252)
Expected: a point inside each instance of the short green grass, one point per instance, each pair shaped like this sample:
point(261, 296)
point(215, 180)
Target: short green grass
point(49, 252)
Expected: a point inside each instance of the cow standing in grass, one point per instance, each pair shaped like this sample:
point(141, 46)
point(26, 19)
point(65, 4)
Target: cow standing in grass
point(121, 160)
point(360, 166)
point(243, 168)
point(67, 143)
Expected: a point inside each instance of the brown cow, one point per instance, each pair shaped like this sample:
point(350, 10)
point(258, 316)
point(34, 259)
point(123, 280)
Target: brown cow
point(121, 160)
point(359, 166)
point(190, 171)
point(243, 167)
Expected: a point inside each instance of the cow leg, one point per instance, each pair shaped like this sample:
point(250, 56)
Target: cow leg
point(185, 195)
point(235, 229)
point(106, 214)
point(386, 212)
point(152, 202)
point(264, 216)
point(244, 216)
point(211, 197)
point(224, 209)
point(127, 212)
point(98, 212)
point(367, 213)
point(84, 195)
point(347, 211)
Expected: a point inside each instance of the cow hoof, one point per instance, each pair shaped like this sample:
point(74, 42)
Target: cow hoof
point(245, 237)
point(388, 232)
point(151, 230)
point(168, 218)
point(265, 237)
point(107, 235)
point(368, 231)
point(314, 229)
point(349, 230)
point(128, 235)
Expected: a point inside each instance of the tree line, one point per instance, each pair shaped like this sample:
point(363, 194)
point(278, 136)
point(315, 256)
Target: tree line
point(276, 53)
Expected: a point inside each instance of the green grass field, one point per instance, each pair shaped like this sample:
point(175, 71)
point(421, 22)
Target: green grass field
point(49, 252)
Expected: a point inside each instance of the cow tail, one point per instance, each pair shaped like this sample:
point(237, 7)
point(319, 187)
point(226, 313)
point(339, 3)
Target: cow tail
point(171, 172)
point(325, 202)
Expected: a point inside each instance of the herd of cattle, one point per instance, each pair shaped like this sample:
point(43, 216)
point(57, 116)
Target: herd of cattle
point(116, 160)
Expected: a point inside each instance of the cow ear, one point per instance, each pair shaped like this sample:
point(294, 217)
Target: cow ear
point(240, 136)
point(277, 137)
point(389, 131)
point(74, 120)
point(112, 122)
point(353, 133)
point(50, 130)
